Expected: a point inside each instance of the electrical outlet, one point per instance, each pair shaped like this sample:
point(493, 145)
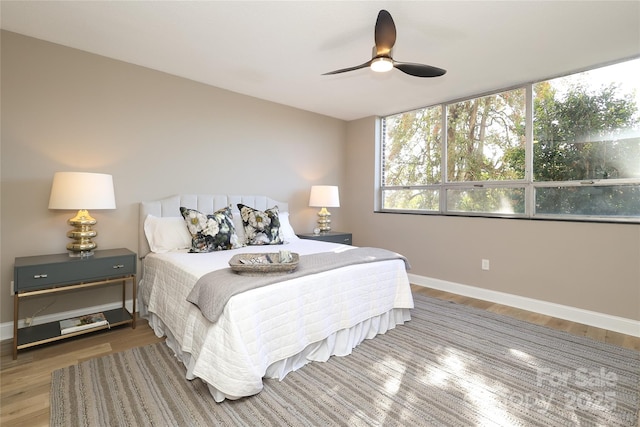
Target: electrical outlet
point(11, 292)
point(485, 264)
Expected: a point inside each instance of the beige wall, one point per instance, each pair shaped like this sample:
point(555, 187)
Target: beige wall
point(158, 135)
point(590, 266)
point(63, 109)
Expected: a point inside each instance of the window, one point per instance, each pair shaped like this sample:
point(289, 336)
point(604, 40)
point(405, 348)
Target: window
point(484, 136)
point(412, 160)
point(567, 148)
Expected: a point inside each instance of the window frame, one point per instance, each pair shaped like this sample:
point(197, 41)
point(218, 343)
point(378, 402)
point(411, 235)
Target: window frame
point(528, 183)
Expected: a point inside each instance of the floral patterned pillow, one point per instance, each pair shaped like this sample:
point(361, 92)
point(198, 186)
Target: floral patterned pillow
point(210, 233)
point(261, 228)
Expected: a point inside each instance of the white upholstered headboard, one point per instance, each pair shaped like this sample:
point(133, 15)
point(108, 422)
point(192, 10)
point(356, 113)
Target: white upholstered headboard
point(205, 203)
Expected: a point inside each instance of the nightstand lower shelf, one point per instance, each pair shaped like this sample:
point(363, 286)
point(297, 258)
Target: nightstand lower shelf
point(49, 332)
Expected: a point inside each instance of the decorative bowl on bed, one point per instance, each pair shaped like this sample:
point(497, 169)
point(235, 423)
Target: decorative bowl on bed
point(263, 263)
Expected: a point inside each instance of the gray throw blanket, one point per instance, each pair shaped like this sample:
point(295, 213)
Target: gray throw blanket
point(212, 291)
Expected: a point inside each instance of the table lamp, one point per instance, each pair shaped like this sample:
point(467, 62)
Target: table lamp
point(324, 196)
point(82, 191)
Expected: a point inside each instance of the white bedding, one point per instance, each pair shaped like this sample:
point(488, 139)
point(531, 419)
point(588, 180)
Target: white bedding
point(270, 331)
point(274, 323)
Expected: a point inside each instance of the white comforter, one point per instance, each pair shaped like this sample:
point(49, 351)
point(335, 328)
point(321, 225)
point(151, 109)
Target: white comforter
point(270, 331)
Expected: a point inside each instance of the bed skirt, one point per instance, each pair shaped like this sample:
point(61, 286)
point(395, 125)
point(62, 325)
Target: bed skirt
point(340, 343)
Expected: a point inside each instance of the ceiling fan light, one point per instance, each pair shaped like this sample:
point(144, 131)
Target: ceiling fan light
point(381, 65)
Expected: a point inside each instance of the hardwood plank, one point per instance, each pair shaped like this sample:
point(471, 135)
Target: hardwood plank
point(598, 334)
point(615, 338)
point(633, 343)
point(559, 324)
point(27, 409)
point(579, 329)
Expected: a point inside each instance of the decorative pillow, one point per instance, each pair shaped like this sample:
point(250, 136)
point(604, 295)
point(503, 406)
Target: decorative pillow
point(166, 234)
point(261, 228)
point(210, 233)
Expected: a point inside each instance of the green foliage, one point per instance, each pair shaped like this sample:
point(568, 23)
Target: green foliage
point(413, 200)
point(579, 135)
point(480, 132)
point(413, 147)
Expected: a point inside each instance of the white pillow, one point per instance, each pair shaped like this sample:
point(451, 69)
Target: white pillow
point(237, 223)
point(166, 234)
point(286, 230)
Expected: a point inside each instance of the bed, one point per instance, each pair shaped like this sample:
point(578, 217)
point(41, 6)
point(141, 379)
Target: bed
point(268, 331)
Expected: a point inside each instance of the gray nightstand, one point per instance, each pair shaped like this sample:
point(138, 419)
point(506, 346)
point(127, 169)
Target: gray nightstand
point(46, 274)
point(330, 236)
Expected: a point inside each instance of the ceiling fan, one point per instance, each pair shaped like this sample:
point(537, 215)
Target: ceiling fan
point(385, 37)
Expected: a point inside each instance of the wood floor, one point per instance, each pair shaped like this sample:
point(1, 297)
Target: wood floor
point(25, 382)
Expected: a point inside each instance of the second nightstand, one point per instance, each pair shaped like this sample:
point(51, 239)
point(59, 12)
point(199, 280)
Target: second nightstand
point(330, 236)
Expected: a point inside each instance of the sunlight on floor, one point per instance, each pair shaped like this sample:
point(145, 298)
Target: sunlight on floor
point(392, 385)
point(395, 373)
point(456, 370)
point(521, 354)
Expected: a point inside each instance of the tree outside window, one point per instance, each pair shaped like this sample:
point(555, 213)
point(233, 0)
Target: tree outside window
point(471, 156)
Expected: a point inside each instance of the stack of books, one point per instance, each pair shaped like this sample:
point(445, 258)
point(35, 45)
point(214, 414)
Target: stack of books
point(81, 323)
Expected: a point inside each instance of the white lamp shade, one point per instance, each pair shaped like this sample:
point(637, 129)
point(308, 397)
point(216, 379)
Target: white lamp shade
point(81, 190)
point(324, 196)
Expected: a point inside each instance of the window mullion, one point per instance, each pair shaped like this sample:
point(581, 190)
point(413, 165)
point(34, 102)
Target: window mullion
point(529, 203)
point(444, 161)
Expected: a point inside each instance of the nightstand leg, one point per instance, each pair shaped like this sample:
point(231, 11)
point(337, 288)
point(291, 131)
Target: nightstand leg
point(135, 297)
point(15, 326)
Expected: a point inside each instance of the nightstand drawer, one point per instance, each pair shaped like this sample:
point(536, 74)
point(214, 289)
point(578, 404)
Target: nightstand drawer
point(343, 238)
point(331, 236)
point(33, 273)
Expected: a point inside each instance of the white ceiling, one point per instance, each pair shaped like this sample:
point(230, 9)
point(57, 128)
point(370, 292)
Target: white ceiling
point(278, 50)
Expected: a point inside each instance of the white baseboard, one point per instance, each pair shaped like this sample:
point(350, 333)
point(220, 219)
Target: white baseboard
point(6, 328)
point(591, 318)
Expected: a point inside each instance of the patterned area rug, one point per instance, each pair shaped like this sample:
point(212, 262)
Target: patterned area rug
point(451, 365)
